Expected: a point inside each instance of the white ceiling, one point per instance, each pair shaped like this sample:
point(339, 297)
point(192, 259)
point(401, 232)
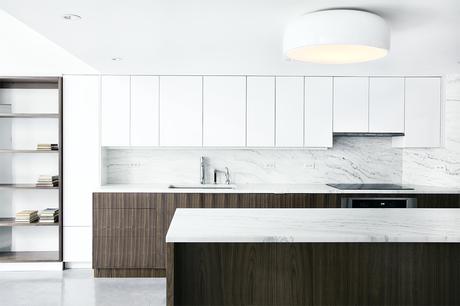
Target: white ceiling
point(235, 36)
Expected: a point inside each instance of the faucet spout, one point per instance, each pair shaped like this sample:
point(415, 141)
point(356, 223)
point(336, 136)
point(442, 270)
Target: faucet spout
point(202, 170)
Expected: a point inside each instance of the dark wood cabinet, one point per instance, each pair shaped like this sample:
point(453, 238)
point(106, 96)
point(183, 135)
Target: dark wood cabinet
point(339, 274)
point(129, 229)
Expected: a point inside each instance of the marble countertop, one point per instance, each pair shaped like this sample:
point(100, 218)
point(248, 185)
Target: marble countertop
point(314, 225)
point(274, 188)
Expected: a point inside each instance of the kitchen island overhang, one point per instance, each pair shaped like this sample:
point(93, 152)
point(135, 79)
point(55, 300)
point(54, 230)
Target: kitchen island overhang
point(314, 257)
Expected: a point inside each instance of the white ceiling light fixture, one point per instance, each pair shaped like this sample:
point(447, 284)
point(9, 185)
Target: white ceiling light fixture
point(71, 17)
point(340, 36)
point(116, 59)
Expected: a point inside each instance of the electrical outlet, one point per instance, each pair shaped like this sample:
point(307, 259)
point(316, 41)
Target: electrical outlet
point(309, 165)
point(270, 165)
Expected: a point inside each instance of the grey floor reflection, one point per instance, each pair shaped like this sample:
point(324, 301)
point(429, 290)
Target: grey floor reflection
point(78, 287)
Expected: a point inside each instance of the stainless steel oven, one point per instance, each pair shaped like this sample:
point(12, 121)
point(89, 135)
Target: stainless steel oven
point(365, 202)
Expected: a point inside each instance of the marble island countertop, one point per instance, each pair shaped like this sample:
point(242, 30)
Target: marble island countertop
point(272, 188)
point(314, 225)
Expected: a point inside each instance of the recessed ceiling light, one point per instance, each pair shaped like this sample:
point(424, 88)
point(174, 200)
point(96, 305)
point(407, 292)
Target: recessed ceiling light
point(71, 17)
point(116, 59)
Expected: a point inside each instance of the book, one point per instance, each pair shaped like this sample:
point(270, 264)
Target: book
point(27, 216)
point(48, 181)
point(47, 146)
point(49, 215)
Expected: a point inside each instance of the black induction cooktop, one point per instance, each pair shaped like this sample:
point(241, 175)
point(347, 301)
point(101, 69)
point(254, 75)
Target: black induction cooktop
point(370, 187)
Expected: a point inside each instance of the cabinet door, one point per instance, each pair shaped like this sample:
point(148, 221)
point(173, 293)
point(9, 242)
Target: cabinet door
point(289, 111)
point(318, 111)
point(115, 109)
point(386, 105)
point(261, 112)
point(81, 147)
point(224, 110)
point(351, 105)
point(422, 114)
point(181, 111)
point(144, 110)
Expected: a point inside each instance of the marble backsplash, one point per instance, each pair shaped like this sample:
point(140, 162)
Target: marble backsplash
point(351, 160)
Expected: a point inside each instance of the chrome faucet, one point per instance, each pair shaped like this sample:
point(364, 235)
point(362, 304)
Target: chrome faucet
point(202, 170)
point(226, 173)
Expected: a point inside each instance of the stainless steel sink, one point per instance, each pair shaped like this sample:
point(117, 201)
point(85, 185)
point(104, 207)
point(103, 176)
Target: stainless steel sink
point(203, 186)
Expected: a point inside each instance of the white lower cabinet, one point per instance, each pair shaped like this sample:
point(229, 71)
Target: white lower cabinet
point(318, 111)
point(181, 99)
point(224, 111)
point(422, 114)
point(289, 111)
point(78, 245)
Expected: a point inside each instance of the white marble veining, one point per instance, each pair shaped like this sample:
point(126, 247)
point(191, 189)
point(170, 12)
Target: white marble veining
point(273, 188)
point(351, 160)
point(314, 225)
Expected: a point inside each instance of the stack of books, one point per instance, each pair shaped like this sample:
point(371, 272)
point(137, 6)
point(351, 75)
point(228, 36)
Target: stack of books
point(49, 215)
point(48, 181)
point(47, 147)
point(27, 216)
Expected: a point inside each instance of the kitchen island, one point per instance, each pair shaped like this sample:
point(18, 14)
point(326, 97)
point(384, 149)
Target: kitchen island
point(314, 257)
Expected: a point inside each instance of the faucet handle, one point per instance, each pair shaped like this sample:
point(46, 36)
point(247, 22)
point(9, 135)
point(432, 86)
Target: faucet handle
point(227, 176)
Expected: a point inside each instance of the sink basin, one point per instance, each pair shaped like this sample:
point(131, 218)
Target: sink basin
point(203, 186)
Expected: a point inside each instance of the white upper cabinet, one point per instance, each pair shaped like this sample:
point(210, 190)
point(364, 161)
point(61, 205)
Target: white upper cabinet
point(318, 111)
point(224, 111)
point(181, 111)
point(422, 114)
point(289, 111)
point(261, 112)
point(115, 110)
point(386, 105)
point(144, 110)
point(351, 105)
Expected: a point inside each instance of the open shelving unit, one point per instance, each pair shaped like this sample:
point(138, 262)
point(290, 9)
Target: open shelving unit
point(25, 97)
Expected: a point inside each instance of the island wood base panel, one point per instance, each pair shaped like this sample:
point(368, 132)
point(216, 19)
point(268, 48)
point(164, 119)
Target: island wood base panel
point(129, 272)
point(313, 274)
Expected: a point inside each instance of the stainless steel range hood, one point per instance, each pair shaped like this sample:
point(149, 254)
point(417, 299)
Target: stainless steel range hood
point(352, 134)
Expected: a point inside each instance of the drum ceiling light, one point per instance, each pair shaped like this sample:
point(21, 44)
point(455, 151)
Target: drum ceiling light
point(338, 36)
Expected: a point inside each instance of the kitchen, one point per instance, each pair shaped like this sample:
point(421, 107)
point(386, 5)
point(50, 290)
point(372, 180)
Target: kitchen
point(179, 169)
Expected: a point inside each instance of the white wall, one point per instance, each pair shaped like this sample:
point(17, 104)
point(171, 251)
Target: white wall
point(24, 52)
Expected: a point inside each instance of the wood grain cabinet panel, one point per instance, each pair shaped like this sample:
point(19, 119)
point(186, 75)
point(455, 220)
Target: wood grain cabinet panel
point(129, 229)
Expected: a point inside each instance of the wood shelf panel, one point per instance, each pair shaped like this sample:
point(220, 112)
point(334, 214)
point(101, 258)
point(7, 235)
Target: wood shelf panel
point(38, 256)
point(29, 115)
point(27, 151)
point(9, 222)
point(24, 186)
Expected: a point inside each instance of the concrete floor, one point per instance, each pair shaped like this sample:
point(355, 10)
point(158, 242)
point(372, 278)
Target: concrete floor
point(78, 287)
